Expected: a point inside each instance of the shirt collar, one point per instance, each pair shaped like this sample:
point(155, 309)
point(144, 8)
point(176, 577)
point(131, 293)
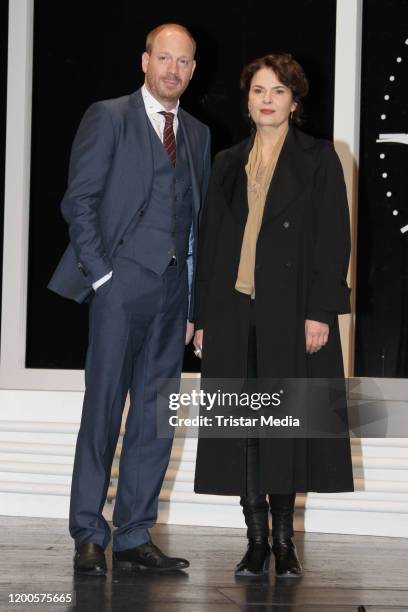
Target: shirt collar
point(154, 106)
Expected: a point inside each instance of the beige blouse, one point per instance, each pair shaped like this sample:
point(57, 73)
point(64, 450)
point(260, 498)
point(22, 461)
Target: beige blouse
point(259, 179)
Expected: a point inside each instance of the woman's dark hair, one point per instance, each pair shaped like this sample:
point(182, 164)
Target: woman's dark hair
point(288, 71)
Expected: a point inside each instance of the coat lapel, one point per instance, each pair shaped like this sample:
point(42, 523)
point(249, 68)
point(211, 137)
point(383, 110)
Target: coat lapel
point(143, 152)
point(235, 182)
point(292, 172)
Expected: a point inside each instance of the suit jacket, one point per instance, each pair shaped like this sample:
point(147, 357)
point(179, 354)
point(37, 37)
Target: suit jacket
point(110, 181)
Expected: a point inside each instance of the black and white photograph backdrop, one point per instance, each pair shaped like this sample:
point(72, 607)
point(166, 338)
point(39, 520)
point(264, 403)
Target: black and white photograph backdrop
point(382, 245)
point(77, 61)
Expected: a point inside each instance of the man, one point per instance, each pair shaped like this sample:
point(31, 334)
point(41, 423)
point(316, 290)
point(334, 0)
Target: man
point(138, 172)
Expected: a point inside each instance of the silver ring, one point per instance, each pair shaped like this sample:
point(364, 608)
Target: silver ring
point(197, 352)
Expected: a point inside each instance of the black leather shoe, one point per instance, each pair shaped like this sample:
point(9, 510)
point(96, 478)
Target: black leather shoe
point(287, 564)
point(256, 559)
point(90, 559)
point(147, 557)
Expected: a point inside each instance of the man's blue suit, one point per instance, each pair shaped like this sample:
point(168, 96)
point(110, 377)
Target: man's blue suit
point(129, 210)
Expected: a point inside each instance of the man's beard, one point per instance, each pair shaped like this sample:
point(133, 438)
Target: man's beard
point(160, 89)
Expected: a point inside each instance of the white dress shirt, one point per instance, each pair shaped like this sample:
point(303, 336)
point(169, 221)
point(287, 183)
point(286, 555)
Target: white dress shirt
point(153, 110)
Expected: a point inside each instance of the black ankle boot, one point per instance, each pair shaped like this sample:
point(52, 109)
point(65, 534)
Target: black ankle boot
point(287, 564)
point(255, 507)
point(256, 559)
point(257, 556)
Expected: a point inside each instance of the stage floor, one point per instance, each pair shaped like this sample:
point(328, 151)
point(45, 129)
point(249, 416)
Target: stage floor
point(341, 572)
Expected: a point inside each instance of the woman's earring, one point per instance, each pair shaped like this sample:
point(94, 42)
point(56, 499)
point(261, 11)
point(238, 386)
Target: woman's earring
point(291, 116)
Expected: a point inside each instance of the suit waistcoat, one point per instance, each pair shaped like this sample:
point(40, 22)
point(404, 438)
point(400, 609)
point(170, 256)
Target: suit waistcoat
point(162, 229)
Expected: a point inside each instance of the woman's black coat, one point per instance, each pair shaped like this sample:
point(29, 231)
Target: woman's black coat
point(301, 266)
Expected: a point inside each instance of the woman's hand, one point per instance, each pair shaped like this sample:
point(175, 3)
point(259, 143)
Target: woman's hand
point(317, 335)
point(198, 342)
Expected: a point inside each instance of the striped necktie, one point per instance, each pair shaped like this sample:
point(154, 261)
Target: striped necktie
point(169, 139)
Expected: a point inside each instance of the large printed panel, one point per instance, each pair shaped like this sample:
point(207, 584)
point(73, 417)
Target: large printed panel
point(382, 258)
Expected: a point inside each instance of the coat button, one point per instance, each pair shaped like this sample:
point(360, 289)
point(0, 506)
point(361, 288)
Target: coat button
point(141, 213)
point(257, 266)
point(286, 224)
point(288, 264)
point(120, 242)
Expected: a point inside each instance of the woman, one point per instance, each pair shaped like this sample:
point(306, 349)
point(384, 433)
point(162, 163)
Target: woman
point(271, 280)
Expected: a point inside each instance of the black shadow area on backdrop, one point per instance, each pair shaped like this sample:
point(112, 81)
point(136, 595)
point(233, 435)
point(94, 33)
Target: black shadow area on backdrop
point(382, 249)
point(90, 50)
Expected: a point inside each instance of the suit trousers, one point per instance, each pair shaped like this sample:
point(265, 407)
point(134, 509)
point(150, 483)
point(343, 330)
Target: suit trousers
point(137, 324)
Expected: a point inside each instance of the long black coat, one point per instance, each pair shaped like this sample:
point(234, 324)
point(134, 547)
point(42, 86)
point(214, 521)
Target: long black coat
point(301, 266)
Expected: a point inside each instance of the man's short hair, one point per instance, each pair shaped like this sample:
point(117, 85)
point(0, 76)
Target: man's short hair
point(176, 26)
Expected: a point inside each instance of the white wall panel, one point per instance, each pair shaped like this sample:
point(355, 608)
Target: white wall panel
point(36, 457)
